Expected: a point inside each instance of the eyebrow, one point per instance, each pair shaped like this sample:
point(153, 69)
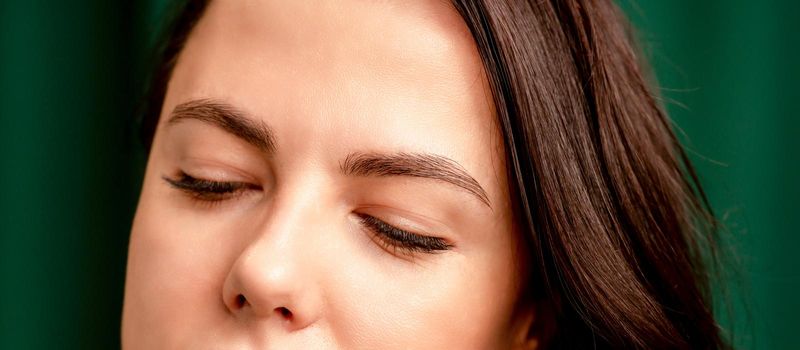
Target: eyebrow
point(260, 135)
point(423, 165)
point(228, 118)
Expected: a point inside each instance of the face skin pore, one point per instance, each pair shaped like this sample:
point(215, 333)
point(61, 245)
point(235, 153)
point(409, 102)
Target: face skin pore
point(292, 133)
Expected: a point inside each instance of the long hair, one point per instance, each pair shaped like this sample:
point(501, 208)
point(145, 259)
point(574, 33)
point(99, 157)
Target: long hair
point(619, 234)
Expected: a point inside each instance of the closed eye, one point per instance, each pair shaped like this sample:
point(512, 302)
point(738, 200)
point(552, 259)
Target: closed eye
point(394, 238)
point(209, 190)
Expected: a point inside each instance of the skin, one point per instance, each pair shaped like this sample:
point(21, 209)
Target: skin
point(285, 263)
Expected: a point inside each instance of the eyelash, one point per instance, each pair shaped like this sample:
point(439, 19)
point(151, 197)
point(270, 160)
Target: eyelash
point(207, 190)
point(395, 238)
point(211, 192)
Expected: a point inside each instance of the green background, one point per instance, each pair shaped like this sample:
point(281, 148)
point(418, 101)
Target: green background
point(71, 75)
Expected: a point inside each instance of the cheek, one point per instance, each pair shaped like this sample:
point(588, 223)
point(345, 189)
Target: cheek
point(446, 303)
point(176, 268)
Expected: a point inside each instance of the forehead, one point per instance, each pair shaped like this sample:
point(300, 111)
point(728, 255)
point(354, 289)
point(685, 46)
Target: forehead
point(399, 74)
point(327, 36)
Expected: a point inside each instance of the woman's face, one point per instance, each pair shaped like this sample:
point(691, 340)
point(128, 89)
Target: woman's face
point(325, 175)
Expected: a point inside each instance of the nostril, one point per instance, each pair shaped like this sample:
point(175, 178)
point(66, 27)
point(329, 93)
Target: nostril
point(284, 312)
point(240, 301)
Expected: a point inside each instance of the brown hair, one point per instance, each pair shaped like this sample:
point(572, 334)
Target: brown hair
point(618, 230)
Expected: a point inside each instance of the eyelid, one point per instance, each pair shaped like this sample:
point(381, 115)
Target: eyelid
point(205, 168)
point(412, 221)
point(208, 191)
point(401, 242)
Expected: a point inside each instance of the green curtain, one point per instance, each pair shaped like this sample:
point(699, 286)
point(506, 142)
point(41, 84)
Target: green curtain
point(71, 76)
point(729, 73)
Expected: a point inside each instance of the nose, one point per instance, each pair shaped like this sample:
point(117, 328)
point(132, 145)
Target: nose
point(271, 281)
